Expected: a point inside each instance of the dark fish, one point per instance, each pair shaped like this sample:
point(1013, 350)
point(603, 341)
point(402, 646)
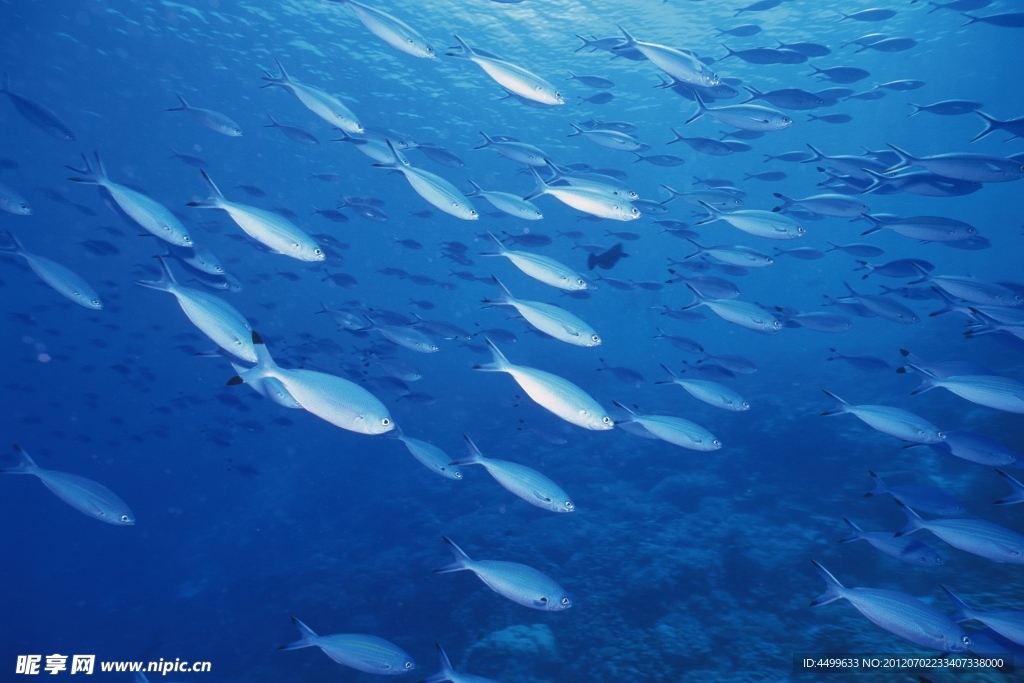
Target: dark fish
point(331, 214)
point(737, 145)
point(659, 159)
point(36, 114)
point(831, 118)
point(703, 145)
point(793, 157)
point(770, 176)
point(622, 235)
point(868, 363)
point(100, 247)
point(598, 98)
point(900, 268)
point(765, 55)
point(592, 81)
point(744, 31)
point(650, 208)
point(293, 133)
point(947, 107)
point(870, 15)
point(869, 96)
point(840, 74)
point(616, 284)
point(1013, 126)
point(9, 164)
point(364, 210)
point(759, 6)
point(253, 191)
point(806, 49)
point(408, 243)
point(889, 45)
point(440, 155)
point(960, 5)
point(197, 162)
point(606, 260)
point(528, 239)
point(786, 98)
point(341, 280)
point(284, 211)
point(1006, 20)
point(625, 375)
point(802, 253)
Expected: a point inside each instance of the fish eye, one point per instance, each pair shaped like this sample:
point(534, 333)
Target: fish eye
point(558, 94)
point(607, 420)
point(386, 422)
point(186, 239)
point(800, 230)
point(594, 338)
point(717, 443)
point(125, 518)
point(457, 475)
point(966, 641)
point(95, 302)
point(472, 212)
point(569, 505)
point(746, 406)
point(409, 665)
point(565, 601)
point(776, 324)
point(786, 119)
point(318, 252)
point(433, 347)
point(635, 211)
point(940, 435)
point(580, 282)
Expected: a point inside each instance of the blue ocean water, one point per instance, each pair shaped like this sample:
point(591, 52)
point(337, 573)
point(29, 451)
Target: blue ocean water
point(682, 565)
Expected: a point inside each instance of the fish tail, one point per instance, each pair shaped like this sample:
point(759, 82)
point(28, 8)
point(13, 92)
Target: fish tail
point(927, 381)
point(992, 124)
point(701, 109)
point(818, 156)
point(833, 589)
point(465, 53)
point(678, 137)
point(729, 52)
point(166, 280)
point(631, 413)
point(838, 410)
point(630, 40)
point(26, 466)
point(913, 520)
point(971, 18)
point(499, 248)
point(90, 175)
point(698, 298)
point(274, 124)
point(963, 612)
point(906, 159)
point(17, 248)
point(264, 363)
point(487, 141)
point(216, 197)
point(880, 486)
point(184, 105)
point(935, 7)
point(540, 186)
point(577, 131)
point(505, 296)
point(475, 457)
point(447, 671)
point(857, 535)
point(712, 216)
point(308, 637)
point(477, 190)
point(1018, 490)
point(499, 362)
point(671, 374)
point(786, 202)
point(462, 560)
point(754, 94)
point(700, 249)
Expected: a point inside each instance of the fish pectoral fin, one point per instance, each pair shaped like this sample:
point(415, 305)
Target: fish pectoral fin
point(541, 496)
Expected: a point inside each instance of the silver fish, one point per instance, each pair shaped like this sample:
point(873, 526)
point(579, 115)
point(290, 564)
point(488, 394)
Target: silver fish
point(520, 152)
point(391, 30)
point(406, 337)
point(594, 202)
point(971, 289)
point(898, 613)
point(63, 280)
point(734, 255)
point(742, 313)
point(336, 400)
point(432, 457)
point(359, 651)
point(1009, 624)
point(85, 495)
point(151, 215)
point(679, 64)
point(519, 583)
point(213, 120)
point(551, 320)
point(511, 77)
point(12, 202)
point(511, 204)
point(674, 430)
point(892, 421)
point(976, 536)
point(774, 226)
point(214, 317)
point(837, 205)
point(556, 394)
point(743, 116)
point(927, 498)
point(902, 548)
point(610, 139)
point(268, 228)
point(435, 189)
point(540, 267)
point(992, 391)
point(979, 168)
point(326, 106)
point(527, 483)
point(709, 392)
point(448, 672)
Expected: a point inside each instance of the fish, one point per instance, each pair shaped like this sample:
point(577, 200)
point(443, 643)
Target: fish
point(598, 82)
point(591, 201)
point(61, 279)
point(520, 480)
point(429, 455)
point(1017, 490)
point(406, 337)
point(12, 202)
point(884, 307)
point(433, 188)
point(1005, 19)
point(869, 15)
point(1013, 126)
point(293, 133)
point(767, 224)
point(215, 121)
point(154, 217)
point(370, 654)
point(712, 393)
point(519, 583)
point(326, 106)
point(331, 398)
point(978, 168)
point(898, 613)
point(752, 117)
point(551, 320)
point(927, 228)
point(511, 204)
point(976, 536)
point(610, 139)
point(932, 500)
point(802, 253)
point(391, 30)
point(85, 495)
point(902, 548)
point(840, 74)
point(737, 312)
point(707, 146)
point(892, 421)
point(270, 388)
point(976, 448)
point(1009, 624)
point(266, 227)
point(861, 362)
point(37, 114)
point(558, 395)
point(992, 391)
point(448, 672)
point(625, 375)
point(677, 63)
point(520, 152)
point(217, 319)
point(836, 205)
point(736, 255)
point(606, 260)
point(513, 78)
point(674, 430)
